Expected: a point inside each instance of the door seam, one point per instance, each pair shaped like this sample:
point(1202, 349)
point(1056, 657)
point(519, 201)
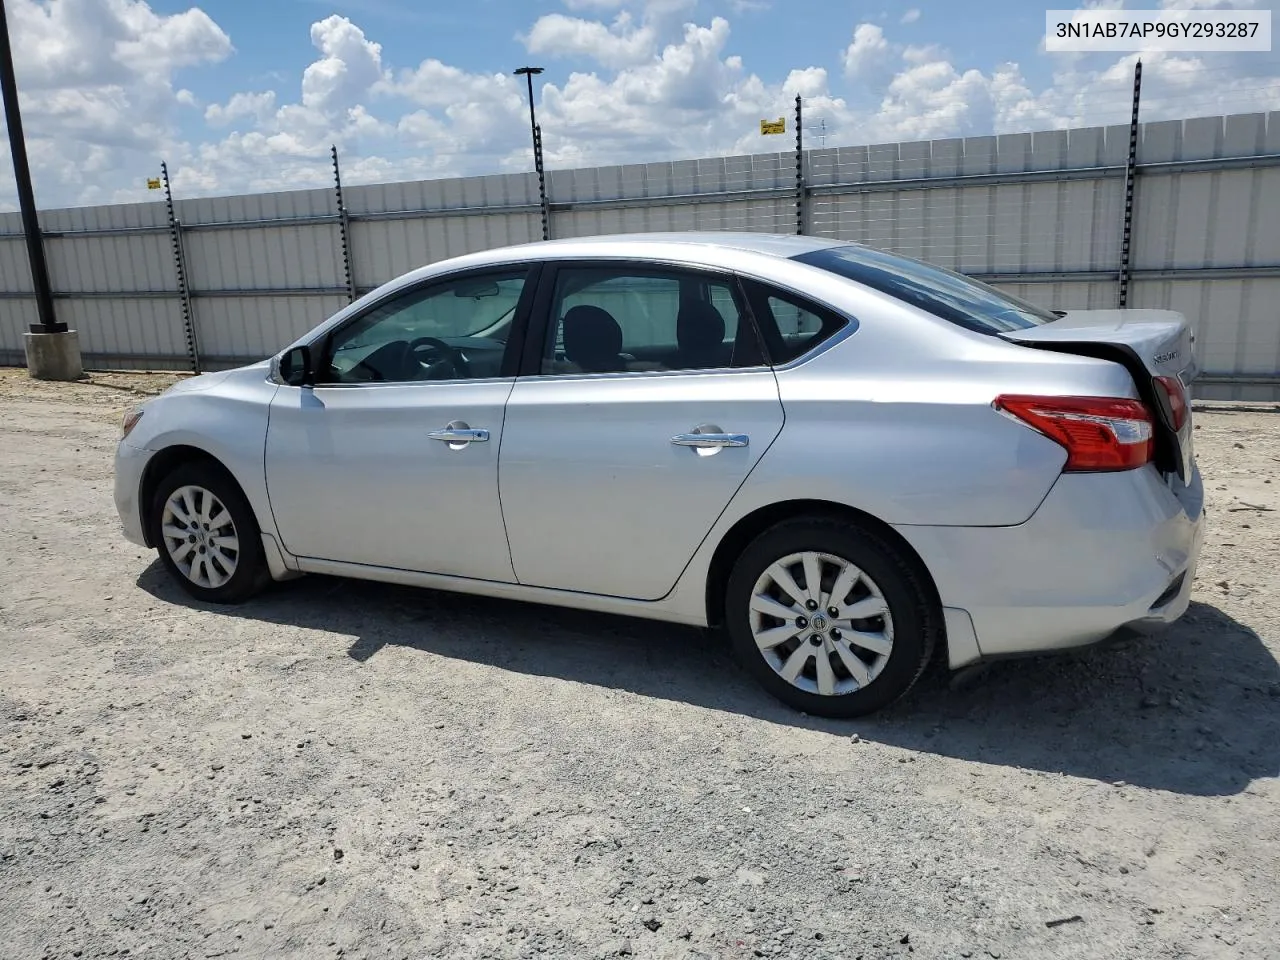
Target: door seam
point(502, 513)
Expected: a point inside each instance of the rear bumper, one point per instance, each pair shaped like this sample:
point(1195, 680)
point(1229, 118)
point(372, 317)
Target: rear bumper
point(1101, 552)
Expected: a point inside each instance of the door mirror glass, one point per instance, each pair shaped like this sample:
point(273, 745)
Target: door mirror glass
point(295, 367)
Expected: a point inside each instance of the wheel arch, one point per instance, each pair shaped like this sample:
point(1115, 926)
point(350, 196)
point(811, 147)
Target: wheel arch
point(163, 463)
point(736, 539)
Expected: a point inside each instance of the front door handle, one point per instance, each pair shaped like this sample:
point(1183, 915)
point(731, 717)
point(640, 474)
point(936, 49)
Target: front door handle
point(705, 441)
point(454, 436)
point(458, 435)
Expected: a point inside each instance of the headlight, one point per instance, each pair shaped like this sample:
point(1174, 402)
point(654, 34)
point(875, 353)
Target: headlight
point(130, 421)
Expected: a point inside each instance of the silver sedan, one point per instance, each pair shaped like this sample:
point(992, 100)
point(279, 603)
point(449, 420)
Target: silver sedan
point(846, 459)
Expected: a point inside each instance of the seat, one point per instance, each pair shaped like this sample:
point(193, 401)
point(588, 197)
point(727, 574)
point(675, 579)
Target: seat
point(700, 336)
point(593, 340)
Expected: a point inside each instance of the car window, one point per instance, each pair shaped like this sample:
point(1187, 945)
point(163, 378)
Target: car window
point(952, 296)
point(623, 319)
point(791, 326)
point(453, 330)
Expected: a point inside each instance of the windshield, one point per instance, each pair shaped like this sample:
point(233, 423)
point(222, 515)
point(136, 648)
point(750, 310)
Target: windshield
point(952, 296)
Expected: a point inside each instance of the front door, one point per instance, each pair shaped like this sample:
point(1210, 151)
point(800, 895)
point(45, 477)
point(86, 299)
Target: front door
point(391, 459)
point(650, 407)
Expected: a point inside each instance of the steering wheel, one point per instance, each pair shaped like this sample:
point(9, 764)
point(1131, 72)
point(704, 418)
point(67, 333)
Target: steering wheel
point(432, 349)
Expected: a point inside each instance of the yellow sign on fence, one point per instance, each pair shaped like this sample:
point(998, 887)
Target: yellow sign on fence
point(153, 183)
point(773, 126)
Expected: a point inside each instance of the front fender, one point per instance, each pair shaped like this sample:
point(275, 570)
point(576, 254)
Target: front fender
point(228, 421)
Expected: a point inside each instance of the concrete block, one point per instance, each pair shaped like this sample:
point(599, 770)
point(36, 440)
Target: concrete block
point(54, 356)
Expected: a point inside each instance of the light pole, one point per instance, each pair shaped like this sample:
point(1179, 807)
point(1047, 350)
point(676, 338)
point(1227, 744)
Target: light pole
point(529, 73)
point(26, 195)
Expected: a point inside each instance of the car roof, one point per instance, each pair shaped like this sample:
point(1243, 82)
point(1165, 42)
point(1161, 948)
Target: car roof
point(774, 244)
point(710, 248)
point(707, 246)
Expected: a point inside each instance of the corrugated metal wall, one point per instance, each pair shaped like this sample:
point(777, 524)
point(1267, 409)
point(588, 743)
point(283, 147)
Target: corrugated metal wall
point(1040, 214)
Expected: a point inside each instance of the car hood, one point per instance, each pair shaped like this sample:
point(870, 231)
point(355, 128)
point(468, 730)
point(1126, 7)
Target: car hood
point(207, 381)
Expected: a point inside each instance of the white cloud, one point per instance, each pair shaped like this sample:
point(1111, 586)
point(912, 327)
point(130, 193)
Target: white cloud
point(103, 105)
point(869, 52)
point(617, 45)
point(350, 67)
point(98, 97)
point(911, 16)
point(1208, 4)
point(257, 106)
point(93, 43)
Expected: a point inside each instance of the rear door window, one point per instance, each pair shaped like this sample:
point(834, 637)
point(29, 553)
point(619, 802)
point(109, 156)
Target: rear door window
point(630, 318)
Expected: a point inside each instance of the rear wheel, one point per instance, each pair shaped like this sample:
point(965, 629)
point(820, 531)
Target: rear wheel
point(829, 617)
point(206, 534)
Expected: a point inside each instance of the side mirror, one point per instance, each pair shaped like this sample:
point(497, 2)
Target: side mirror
point(295, 367)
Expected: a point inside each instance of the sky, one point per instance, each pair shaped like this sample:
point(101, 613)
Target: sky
point(247, 95)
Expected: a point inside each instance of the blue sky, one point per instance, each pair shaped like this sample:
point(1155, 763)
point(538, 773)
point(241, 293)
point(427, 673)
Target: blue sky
point(245, 96)
point(481, 35)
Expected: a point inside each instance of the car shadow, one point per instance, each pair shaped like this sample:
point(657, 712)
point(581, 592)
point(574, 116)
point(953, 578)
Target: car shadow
point(1194, 709)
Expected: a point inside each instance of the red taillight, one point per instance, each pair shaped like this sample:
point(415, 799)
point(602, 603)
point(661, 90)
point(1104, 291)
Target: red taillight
point(1177, 394)
point(1099, 433)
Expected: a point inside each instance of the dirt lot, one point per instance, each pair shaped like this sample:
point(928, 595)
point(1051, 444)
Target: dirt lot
point(346, 769)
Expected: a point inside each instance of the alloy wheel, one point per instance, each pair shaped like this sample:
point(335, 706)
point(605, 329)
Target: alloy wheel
point(200, 536)
point(821, 623)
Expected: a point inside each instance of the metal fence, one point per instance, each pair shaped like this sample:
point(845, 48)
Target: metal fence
point(1040, 214)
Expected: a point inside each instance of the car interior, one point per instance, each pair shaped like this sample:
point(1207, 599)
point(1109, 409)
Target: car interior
point(668, 323)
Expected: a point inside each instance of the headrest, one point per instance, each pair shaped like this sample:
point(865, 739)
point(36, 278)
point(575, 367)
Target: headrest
point(592, 338)
point(699, 326)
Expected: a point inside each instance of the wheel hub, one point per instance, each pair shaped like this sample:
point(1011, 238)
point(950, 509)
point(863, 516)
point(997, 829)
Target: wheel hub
point(821, 623)
point(200, 536)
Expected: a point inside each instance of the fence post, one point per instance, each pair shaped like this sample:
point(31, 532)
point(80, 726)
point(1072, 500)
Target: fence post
point(799, 169)
point(180, 265)
point(1130, 170)
point(343, 228)
point(542, 182)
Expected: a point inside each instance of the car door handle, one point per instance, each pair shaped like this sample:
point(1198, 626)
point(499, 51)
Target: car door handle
point(705, 441)
point(459, 435)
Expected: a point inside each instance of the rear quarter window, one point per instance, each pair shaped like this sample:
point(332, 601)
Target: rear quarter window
point(790, 324)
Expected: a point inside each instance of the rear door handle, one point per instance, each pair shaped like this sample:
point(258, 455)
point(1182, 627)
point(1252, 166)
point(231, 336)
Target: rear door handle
point(705, 441)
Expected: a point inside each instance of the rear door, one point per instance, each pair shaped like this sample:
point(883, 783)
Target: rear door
point(632, 426)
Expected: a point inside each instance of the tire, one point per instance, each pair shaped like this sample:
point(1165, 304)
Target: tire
point(228, 567)
point(893, 647)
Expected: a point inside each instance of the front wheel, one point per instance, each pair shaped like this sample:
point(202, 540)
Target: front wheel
point(206, 534)
point(829, 617)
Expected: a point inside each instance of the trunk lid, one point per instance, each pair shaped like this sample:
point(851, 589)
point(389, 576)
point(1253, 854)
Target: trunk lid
point(1150, 344)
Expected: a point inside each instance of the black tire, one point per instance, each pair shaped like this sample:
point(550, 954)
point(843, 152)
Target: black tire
point(250, 573)
point(909, 598)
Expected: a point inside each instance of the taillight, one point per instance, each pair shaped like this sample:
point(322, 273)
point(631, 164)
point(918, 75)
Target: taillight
point(1177, 394)
point(1098, 433)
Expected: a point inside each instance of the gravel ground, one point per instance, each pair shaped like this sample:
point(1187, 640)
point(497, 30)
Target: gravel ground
point(349, 769)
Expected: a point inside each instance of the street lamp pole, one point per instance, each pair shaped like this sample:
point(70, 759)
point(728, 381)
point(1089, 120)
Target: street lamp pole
point(528, 73)
point(26, 195)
